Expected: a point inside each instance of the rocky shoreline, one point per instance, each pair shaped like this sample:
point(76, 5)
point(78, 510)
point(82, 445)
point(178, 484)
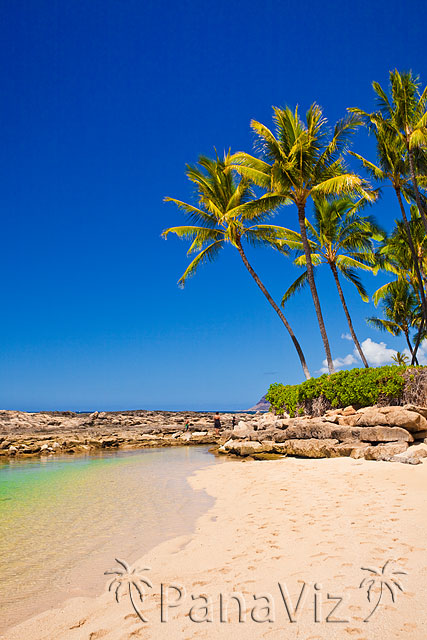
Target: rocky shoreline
point(397, 434)
point(46, 433)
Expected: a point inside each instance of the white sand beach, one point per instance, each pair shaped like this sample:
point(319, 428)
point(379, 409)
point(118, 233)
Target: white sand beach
point(275, 527)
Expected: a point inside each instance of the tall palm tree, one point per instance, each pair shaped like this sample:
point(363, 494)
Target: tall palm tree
point(405, 114)
point(344, 240)
point(395, 258)
point(229, 213)
point(399, 306)
point(300, 160)
point(393, 166)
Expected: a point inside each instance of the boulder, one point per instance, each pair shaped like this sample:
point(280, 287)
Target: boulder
point(392, 417)
point(243, 448)
point(359, 450)
point(309, 448)
point(266, 434)
point(348, 421)
point(350, 448)
point(326, 430)
point(349, 411)
point(377, 434)
point(421, 410)
point(305, 429)
point(385, 451)
point(267, 419)
point(416, 451)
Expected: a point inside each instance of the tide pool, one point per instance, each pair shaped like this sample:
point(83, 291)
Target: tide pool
point(63, 520)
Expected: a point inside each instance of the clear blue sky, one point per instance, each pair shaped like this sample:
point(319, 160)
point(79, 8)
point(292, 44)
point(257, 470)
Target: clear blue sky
point(102, 105)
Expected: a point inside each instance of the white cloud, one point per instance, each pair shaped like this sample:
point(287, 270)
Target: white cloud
point(377, 353)
point(339, 363)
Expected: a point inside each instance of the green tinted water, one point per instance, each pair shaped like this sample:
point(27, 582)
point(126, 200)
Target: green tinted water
point(64, 519)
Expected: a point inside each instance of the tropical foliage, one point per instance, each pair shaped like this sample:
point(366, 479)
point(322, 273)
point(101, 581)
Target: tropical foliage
point(356, 387)
point(302, 164)
point(302, 159)
point(229, 213)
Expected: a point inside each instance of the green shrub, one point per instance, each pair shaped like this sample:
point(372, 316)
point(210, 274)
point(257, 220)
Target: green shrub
point(357, 387)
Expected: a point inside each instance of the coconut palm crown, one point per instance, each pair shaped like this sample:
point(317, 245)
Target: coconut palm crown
point(302, 160)
point(229, 213)
point(393, 166)
point(404, 113)
point(400, 308)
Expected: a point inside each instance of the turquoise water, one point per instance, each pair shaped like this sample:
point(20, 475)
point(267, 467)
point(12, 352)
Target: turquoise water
point(64, 519)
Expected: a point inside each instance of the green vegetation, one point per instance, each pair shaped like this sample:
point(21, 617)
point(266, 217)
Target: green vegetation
point(356, 387)
point(302, 161)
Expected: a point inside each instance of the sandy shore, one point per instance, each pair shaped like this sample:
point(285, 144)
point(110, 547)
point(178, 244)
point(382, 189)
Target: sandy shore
point(278, 530)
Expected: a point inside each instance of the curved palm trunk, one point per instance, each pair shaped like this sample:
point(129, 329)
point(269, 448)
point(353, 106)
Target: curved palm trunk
point(347, 314)
point(414, 255)
point(415, 183)
point(408, 342)
point(418, 342)
point(315, 296)
point(276, 308)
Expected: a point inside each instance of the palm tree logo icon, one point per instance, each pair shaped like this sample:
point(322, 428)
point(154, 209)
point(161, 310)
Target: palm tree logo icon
point(131, 581)
point(381, 579)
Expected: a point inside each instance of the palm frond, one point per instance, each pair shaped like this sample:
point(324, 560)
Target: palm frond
point(299, 283)
point(351, 275)
point(209, 254)
point(195, 214)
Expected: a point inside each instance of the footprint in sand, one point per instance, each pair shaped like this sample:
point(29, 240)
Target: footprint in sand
point(95, 635)
point(409, 626)
point(131, 616)
point(79, 624)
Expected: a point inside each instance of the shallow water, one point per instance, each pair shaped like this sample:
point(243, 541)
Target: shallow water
point(64, 519)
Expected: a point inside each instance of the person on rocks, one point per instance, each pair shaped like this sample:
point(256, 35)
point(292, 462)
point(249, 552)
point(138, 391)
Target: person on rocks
point(233, 422)
point(217, 422)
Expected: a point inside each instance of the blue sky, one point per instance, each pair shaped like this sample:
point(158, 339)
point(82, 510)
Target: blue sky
point(102, 105)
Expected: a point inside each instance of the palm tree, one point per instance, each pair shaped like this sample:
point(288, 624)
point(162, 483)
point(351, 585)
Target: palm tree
point(400, 359)
point(341, 238)
point(381, 578)
point(393, 166)
point(127, 579)
point(399, 306)
point(404, 113)
point(301, 160)
point(229, 213)
point(395, 258)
